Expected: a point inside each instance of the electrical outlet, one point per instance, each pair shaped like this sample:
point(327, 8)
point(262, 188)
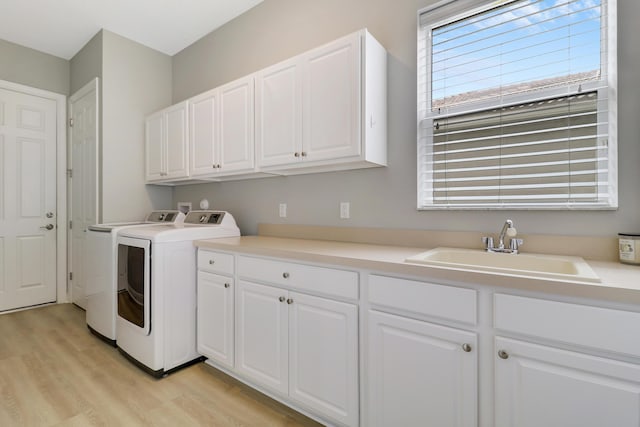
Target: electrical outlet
point(344, 210)
point(283, 210)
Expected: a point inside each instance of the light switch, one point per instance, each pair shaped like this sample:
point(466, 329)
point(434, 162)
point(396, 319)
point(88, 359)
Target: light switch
point(344, 210)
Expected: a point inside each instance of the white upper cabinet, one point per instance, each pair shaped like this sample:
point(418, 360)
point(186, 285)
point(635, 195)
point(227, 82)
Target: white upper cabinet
point(222, 130)
point(166, 144)
point(237, 126)
point(325, 109)
point(204, 135)
point(332, 96)
point(279, 113)
point(154, 145)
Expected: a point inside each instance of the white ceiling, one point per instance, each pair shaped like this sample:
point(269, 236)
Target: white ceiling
point(62, 27)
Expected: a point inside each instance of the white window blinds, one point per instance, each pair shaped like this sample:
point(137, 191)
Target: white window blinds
point(516, 105)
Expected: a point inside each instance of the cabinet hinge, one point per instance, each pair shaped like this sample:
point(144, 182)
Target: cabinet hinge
point(70, 225)
point(70, 275)
point(70, 173)
point(71, 122)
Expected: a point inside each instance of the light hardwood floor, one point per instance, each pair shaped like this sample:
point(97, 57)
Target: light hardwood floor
point(53, 372)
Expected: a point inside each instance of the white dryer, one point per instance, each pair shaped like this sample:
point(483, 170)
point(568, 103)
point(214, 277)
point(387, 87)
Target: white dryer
point(100, 270)
point(156, 321)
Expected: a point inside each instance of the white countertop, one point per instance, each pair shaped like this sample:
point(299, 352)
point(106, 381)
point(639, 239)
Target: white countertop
point(620, 282)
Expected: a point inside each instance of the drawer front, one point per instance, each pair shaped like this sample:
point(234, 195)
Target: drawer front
point(325, 281)
point(595, 327)
point(215, 262)
point(445, 302)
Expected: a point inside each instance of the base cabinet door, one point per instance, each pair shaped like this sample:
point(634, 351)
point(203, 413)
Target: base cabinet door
point(420, 374)
point(537, 385)
point(323, 356)
point(215, 318)
point(262, 335)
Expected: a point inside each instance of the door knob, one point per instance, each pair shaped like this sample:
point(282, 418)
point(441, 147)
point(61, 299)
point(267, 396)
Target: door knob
point(47, 227)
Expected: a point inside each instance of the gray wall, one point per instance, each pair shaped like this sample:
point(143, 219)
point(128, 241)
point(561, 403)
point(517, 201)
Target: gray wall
point(136, 82)
point(87, 64)
point(382, 197)
point(19, 64)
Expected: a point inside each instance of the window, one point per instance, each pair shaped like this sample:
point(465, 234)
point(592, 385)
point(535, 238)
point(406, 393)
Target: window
point(517, 105)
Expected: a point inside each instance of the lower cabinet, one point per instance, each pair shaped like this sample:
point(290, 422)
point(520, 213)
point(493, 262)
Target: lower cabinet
point(537, 385)
point(420, 374)
point(215, 317)
point(302, 346)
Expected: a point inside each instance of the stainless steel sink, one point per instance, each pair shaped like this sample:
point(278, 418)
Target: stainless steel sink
point(533, 265)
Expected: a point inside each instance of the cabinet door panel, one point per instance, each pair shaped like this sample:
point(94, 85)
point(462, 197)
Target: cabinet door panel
point(262, 338)
point(279, 114)
point(203, 133)
point(323, 356)
point(332, 100)
point(176, 141)
point(215, 317)
point(544, 386)
point(419, 375)
point(154, 135)
point(237, 126)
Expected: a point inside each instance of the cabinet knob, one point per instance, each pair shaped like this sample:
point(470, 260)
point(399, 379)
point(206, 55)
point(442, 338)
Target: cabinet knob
point(466, 348)
point(218, 166)
point(281, 299)
point(303, 154)
point(226, 285)
point(296, 154)
point(289, 301)
point(503, 354)
point(211, 262)
point(285, 275)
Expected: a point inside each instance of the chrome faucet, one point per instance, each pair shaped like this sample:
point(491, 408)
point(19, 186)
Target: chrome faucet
point(507, 230)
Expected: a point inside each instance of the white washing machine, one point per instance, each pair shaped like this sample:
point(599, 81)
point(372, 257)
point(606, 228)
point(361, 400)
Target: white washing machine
point(156, 321)
point(100, 270)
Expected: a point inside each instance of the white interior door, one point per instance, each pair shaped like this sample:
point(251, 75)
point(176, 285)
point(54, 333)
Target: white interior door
point(28, 214)
point(83, 109)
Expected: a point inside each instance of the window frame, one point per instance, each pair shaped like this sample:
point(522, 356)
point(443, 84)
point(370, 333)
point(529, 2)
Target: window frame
point(448, 11)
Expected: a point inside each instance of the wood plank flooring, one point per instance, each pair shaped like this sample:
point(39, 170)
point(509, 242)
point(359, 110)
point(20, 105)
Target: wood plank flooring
point(53, 372)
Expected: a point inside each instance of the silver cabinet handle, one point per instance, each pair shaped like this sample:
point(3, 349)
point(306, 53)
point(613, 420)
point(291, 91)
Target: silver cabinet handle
point(289, 301)
point(285, 275)
point(466, 348)
point(47, 227)
point(281, 299)
point(503, 354)
point(226, 285)
point(211, 262)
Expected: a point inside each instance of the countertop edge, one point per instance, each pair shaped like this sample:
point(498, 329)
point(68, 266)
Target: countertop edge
point(620, 283)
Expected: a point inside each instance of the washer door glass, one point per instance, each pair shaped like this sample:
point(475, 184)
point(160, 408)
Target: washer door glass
point(134, 278)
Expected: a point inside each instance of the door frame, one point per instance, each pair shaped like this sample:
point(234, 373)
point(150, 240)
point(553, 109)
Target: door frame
point(61, 180)
point(91, 85)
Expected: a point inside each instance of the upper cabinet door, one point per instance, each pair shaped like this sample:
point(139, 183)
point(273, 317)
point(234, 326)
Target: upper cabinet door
point(176, 141)
point(279, 113)
point(237, 125)
point(154, 146)
point(332, 98)
point(203, 133)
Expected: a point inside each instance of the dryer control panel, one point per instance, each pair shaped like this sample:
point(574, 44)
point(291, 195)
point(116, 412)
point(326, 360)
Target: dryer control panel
point(205, 217)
